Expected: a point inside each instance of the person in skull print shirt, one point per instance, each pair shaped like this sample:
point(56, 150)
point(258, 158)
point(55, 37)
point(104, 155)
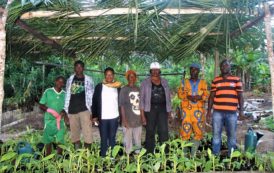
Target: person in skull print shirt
point(131, 120)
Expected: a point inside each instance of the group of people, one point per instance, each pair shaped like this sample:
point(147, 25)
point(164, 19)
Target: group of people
point(148, 105)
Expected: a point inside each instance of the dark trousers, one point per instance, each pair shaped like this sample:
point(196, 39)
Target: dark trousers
point(157, 119)
point(108, 129)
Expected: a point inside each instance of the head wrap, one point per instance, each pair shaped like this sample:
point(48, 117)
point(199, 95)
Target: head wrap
point(195, 65)
point(129, 72)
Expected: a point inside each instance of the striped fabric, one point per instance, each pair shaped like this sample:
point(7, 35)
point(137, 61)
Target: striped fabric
point(226, 97)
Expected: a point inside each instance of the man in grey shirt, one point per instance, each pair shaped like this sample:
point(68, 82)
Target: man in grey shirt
point(155, 106)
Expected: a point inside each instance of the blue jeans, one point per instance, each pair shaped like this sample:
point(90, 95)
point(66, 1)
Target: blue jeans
point(108, 129)
point(229, 120)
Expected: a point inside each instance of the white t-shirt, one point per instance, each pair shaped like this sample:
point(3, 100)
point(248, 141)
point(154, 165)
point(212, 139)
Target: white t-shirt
point(109, 103)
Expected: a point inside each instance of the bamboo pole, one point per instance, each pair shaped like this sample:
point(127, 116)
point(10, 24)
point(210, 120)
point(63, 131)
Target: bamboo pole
point(269, 46)
point(118, 11)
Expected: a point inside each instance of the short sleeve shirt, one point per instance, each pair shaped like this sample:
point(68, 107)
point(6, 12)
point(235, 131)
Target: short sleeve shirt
point(226, 97)
point(77, 100)
point(130, 98)
point(158, 96)
point(54, 100)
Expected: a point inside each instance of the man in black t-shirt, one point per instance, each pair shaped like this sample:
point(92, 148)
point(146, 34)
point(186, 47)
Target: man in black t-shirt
point(79, 92)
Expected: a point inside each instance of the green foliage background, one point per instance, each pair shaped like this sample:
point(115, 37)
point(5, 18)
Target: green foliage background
point(25, 80)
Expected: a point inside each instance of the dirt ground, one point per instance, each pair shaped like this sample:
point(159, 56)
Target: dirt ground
point(266, 143)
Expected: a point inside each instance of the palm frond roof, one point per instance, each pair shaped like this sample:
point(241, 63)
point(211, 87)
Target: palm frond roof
point(166, 29)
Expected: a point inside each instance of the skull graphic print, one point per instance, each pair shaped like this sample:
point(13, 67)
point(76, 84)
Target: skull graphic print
point(134, 100)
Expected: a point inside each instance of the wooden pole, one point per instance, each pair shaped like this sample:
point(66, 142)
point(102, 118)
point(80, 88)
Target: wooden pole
point(42, 37)
point(98, 71)
point(118, 11)
point(202, 61)
point(217, 62)
point(269, 46)
point(43, 77)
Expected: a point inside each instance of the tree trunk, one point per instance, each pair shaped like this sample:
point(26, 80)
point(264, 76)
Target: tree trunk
point(217, 62)
point(243, 79)
point(202, 61)
point(248, 80)
point(3, 20)
point(2, 65)
point(268, 31)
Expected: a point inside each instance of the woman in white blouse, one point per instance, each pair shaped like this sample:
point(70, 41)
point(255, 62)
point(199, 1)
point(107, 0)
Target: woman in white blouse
point(105, 108)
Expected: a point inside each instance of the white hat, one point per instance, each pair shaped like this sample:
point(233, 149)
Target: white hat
point(155, 65)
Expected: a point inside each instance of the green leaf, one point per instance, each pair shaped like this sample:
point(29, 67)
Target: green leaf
point(261, 168)
point(189, 144)
point(18, 160)
point(272, 162)
point(162, 148)
point(226, 160)
point(249, 155)
point(48, 157)
point(188, 164)
point(131, 167)
point(208, 166)
point(8, 156)
point(157, 155)
point(236, 154)
point(156, 167)
point(64, 147)
point(209, 152)
point(142, 152)
point(115, 150)
point(3, 168)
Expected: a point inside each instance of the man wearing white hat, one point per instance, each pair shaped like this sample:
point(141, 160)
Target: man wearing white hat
point(155, 106)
